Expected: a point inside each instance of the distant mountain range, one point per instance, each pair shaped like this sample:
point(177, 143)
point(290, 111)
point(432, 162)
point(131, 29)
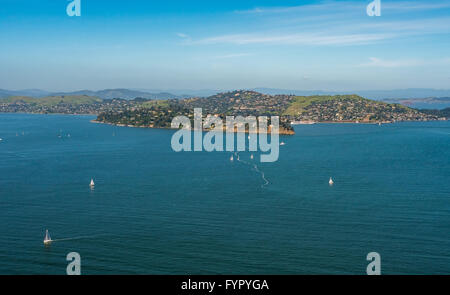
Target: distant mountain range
point(423, 103)
point(385, 95)
point(104, 94)
point(120, 93)
point(27, 92)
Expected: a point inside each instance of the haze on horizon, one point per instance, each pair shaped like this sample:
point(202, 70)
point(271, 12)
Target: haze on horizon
point(308, 45)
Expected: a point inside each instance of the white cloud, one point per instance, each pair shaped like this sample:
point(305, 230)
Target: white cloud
point(333, 6)
point(377, 62)
point(301, 39)
point(232, 55)
point(334, 23)
point(182, 35)
point(416, 5)
point(382, 63)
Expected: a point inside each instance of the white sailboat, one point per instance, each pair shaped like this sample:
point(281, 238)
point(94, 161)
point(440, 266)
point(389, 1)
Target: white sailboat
point(92, 184)
point(232, 158)
point(331, 182)
point(47, 239)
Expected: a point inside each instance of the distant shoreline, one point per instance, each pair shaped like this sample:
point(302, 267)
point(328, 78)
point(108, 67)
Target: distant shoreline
point(29, 113)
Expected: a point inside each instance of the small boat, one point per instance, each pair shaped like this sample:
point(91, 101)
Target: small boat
point(282, 143)
point(92, 184)
point(1, 139)
point(47, 239)
point(231, 158)
point(331, 182)
point(251, 156)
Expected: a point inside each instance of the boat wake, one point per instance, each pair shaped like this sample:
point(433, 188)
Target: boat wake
point(255, 167)
point(77, 238)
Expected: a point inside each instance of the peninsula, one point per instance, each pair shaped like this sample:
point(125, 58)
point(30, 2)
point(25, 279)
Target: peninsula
point(141, 112)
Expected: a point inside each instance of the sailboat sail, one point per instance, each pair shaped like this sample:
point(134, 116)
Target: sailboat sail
point(47, 236)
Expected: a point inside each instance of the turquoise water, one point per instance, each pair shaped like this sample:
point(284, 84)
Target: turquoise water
point(154, 211)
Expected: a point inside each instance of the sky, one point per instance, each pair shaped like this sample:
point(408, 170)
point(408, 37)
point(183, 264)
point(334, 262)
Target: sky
point(233, 44)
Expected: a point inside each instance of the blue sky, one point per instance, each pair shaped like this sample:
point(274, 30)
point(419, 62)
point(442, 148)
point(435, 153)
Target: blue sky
point(305, 45)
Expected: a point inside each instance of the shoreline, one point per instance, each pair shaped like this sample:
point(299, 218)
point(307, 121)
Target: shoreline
point(367, 123)
point(167, 128)
point(281, 133)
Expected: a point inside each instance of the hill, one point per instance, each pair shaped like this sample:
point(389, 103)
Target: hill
point(120, 93)
point(338, 108)
point(53, 100)
point(72, 104)
point(240, 102)
point(383, 95)
point(440, 113)
point(26, 92)
point(350, 108)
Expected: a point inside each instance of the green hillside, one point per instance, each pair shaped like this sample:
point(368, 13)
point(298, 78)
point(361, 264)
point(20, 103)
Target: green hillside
point(156, 103)
point(301, 103)
point(53, 100)
point(349, 108)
